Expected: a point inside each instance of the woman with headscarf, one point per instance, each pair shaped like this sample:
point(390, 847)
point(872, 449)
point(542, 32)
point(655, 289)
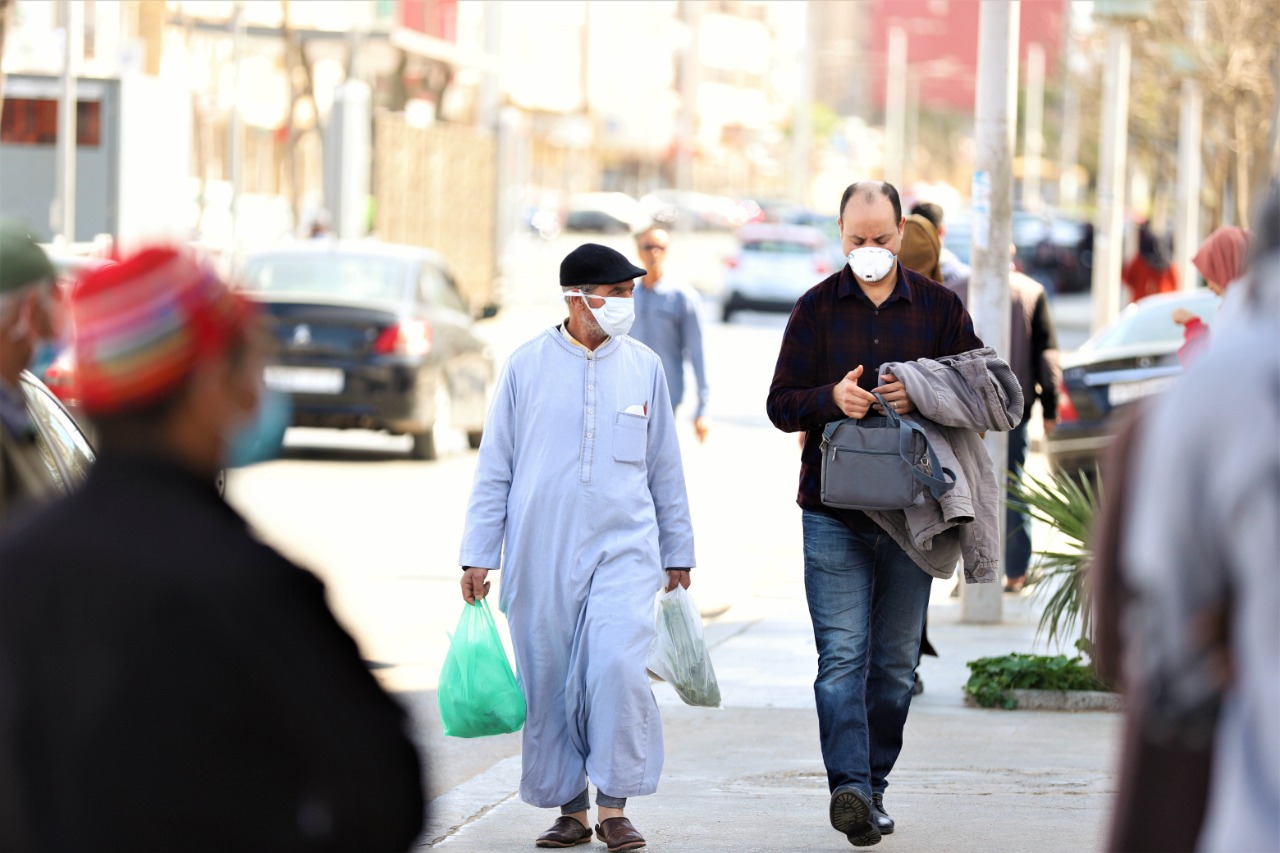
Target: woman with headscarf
point(1151, 270)
point(1220, 260)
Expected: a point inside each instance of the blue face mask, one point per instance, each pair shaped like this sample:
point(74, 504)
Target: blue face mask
point(262, 438)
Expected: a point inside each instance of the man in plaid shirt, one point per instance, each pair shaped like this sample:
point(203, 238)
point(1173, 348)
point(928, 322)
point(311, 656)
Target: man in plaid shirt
point(872, 312)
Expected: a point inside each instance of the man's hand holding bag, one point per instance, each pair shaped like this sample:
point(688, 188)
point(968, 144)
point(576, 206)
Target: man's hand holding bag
point(880, 463)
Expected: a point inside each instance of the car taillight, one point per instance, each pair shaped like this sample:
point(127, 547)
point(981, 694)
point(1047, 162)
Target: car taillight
point(412, 337)
point(60, 378)
point(1066, 409)
point(821, 267)
point(731, 262)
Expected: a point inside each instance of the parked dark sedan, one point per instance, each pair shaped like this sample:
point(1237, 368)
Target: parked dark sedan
point(371, 336)
point(1134, 357)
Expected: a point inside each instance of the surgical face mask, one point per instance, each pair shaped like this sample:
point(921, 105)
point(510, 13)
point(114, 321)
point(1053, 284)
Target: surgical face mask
point(871, 263)
point(262, 437)
point(615, 316)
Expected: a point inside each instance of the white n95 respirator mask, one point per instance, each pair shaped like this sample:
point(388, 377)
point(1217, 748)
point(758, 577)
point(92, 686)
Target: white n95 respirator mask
point(871, 263)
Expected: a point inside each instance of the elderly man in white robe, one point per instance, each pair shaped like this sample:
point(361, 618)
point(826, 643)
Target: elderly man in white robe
point(579, 494)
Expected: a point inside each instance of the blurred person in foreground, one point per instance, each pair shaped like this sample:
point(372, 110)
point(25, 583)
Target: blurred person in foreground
point(1188, 592)
point(579, 494)
point(1034, 357)
point(27, 319)
point(875, 325)
point(167, 681)
point(1221, 259)
point(668, 322)
point(1151, 269)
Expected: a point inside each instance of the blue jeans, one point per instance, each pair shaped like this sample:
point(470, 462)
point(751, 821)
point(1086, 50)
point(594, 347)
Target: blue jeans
point(1017, 525)
point(867, 600)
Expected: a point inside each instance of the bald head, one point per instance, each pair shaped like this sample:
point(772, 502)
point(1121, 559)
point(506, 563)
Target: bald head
point(867, 192)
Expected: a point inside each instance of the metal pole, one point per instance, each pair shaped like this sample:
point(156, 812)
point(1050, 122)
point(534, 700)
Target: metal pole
point(802, 138)
point(992, 207)
point(1033, 129)
point(1108, 237)
point(895, 106)
point(1186, 235)
point(686, 132)
point(1068, 184)
point(235, 128)
point(62, 221)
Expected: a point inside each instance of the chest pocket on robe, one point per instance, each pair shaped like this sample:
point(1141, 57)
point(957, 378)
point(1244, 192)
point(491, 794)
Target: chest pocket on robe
point(630, 437)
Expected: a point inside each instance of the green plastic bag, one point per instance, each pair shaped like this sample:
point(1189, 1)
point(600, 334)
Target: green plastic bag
point(478, 692)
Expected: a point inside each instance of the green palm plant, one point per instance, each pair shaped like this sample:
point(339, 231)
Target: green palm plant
point(1068, 505)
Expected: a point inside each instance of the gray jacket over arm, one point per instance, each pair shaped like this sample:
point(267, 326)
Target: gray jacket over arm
point(957, 398)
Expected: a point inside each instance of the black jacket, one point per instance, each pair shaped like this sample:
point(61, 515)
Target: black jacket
point(167, 682)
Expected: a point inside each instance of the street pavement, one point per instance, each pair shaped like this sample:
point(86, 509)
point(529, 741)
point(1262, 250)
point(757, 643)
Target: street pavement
point(749, 776)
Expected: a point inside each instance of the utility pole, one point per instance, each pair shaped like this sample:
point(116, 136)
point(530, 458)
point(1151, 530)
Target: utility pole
point(802, 135)
point(1069, 154)
point(686, 130)
point(1033, 129)
point(992, 206)
point(1186, 235)
point(62, 219)
point(235, 127)
point(1108, 237)
point(895, 107)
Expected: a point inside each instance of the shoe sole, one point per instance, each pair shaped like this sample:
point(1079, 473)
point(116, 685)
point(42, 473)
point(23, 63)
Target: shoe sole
point(852, 816)
point(560, 844)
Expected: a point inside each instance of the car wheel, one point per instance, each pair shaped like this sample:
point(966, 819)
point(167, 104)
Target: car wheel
point(424, 446)
point(474, 437)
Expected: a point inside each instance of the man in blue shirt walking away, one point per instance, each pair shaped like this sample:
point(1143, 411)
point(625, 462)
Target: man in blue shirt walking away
point(667, 321)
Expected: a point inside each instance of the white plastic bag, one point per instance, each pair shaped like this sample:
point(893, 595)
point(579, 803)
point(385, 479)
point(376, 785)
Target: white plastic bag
point(679, 653)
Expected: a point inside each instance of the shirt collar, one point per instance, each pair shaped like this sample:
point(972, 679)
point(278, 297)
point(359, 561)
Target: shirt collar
point(564, 332)
point(848, 285)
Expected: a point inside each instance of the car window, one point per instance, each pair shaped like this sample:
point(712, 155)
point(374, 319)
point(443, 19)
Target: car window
point(1151, 324)
point(437, 289)
point(349, 276)
point(63, 447)
point(778, 247)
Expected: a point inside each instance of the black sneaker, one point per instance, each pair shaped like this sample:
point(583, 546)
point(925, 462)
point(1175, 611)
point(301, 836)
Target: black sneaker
point(882, 819)
point(851, 815)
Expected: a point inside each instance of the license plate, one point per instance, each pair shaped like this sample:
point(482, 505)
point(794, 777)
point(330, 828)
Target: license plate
point(1126, 392)
point(303, 380)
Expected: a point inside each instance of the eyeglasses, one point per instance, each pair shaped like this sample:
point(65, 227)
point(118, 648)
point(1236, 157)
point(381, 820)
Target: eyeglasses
point(653, 247)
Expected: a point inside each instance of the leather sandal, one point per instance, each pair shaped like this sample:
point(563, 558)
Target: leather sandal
point(565, 832)
point(618, 834)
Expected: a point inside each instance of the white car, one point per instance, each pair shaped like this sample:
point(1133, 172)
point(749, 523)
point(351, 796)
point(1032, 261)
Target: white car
point(774, 265)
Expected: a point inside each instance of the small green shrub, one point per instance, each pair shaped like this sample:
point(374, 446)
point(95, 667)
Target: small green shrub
point(991, 679)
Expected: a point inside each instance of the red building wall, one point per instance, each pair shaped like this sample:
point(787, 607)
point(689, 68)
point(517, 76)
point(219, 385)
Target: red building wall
point(942, 45)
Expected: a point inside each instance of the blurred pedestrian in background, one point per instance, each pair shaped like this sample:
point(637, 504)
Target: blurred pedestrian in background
point(167, 681)
point(949, 263)
point(1220, 260)
point(579, 495)
point(1151, 270)
point(1034, 357)
point(669, 323)
point(921, 248)
point(1194, 592)
point(27, 319)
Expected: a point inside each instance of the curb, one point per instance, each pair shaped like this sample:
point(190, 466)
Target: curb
point(454, 810)
point(1061, 700)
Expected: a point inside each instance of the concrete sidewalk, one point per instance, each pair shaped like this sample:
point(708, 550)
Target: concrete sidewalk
point(749, 777)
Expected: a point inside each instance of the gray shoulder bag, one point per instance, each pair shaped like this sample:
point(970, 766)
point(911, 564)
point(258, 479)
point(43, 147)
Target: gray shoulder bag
point(880, 463)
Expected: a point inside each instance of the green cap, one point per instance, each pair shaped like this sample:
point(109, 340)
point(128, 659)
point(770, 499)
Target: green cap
point(22, 262)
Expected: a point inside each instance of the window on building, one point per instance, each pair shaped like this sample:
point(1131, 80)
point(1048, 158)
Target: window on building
point(34, 121)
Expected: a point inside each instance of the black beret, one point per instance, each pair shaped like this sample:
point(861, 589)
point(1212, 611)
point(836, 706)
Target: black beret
point(592, 263)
